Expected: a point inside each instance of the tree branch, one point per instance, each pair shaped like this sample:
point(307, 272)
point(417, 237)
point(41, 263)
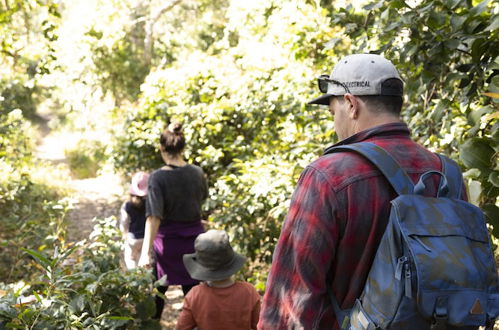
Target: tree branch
point(163, 10)
point(149, 29)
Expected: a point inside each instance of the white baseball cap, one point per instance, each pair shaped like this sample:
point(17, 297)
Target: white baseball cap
point(358, 74)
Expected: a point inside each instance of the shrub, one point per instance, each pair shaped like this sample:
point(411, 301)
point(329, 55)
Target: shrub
point(85, 158)
point(32, 212)
point(82, 287)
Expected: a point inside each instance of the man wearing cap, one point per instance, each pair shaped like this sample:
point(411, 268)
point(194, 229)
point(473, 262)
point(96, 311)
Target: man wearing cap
point(341, 204)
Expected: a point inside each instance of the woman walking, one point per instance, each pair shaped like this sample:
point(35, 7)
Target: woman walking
point(173, 210)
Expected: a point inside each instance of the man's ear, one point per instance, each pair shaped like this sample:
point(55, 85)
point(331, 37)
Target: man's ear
point(353, 105)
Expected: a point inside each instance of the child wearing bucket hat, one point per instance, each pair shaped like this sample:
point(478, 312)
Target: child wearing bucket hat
point(218, 302)
point(133, 218)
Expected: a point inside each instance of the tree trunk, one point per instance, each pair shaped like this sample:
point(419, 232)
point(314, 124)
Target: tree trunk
point(149, 30)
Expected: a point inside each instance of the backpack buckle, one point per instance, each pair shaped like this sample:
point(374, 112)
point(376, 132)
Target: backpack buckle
point(440, 316)
point(439, 323)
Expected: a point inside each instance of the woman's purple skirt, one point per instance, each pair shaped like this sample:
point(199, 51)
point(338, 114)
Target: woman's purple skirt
point(174, 239)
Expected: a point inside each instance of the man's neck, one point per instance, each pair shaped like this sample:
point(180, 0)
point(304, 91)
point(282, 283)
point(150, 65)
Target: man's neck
point(375, 120)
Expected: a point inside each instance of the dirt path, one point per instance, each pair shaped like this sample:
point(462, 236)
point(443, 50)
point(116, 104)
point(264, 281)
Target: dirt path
point(96, 197)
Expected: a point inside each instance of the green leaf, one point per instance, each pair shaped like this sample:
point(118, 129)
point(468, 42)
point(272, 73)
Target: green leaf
point(454, 76)
point(374, 5)
point(495, 82)
point(475, 116)
point(397, 4)
point(426, 8)
point(411, 50)
point(480, 8)
point(494, 25)
point(471, 24)
point(439, 110)
point(476, 153)
point(7, 310)
point(492, 213)
point(385, 15)
point(452, 3)
point(494, 178)
point(78, 303)
point(452, 44)
point(478, 49)
point(146, 308)
point(150, 325)
point(457, 22)
point(392, 26)
point(128, 318)
point(436, 20)
point(44, 262)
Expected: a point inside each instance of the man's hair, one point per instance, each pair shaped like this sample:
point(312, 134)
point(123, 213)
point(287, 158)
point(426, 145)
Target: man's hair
point(386, 103)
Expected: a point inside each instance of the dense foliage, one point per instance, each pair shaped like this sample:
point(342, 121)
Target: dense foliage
point(243, 99)
point(448, 52)
point(238, 74)
point(28, 33)
point(32, 213)
point(83, 287)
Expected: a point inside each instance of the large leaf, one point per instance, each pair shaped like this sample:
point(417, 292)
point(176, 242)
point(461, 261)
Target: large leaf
point(452, 3)
point(146, 309)
point(477, 153)
point(374, 5)
point(494, 178)
point(494, 25)
point(44, 261)
point(492, 213)
point(480, 8)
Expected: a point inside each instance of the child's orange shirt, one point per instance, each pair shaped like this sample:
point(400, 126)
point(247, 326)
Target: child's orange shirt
point(235, 307)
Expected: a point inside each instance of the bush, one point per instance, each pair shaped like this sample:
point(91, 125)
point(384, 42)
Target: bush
point(82, 287)
point(32, 217)
point(85, 159)
point(246, 123)
point(16, 144)
point(32, 212)
point(18, 94)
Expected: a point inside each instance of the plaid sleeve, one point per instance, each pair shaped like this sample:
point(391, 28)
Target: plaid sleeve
point(296, 295)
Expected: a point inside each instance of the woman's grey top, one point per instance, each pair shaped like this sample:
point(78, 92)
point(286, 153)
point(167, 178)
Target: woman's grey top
point(176, 194)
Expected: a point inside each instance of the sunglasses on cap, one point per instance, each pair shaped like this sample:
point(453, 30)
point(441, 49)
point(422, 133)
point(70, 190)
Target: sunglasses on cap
point(324, 80)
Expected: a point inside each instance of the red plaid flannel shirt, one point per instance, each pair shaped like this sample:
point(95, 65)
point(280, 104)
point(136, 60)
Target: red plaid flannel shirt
point(338, 213)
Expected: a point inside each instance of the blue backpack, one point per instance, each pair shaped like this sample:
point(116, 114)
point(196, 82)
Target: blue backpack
point(434, 267)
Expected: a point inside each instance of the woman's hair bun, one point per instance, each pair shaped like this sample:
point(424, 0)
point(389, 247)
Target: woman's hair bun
point(175, 127)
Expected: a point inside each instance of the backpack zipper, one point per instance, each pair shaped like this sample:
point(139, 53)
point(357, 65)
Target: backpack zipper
point(403, 266)
point(408, 288)
point(400, 265)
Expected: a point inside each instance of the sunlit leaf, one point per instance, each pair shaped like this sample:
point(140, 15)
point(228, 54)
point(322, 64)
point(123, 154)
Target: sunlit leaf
point(480, 8)
point(476, 153)
point(494, 178)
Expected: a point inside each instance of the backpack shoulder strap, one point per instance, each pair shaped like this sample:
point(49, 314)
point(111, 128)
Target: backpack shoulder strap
point(397, 177)
point(454, 177)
